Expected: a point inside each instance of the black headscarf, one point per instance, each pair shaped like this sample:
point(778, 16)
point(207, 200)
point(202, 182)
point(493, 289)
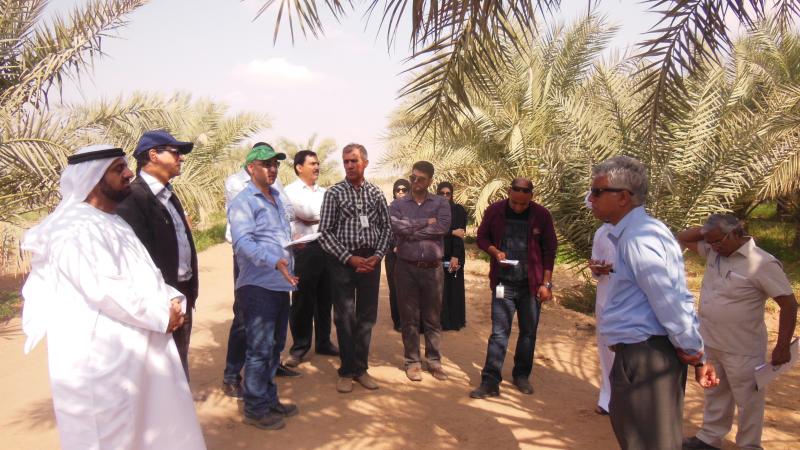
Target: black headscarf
point(446, 184)
point(401, 182)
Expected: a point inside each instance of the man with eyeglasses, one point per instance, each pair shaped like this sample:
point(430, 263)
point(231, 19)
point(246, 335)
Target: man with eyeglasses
point(156, 215)
point(419, 222)
point(260, 232)
point(738, 279)
point(648, 319)
point(519, 236)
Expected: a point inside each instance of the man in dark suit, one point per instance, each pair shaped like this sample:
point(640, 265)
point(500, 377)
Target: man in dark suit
point(157, 217)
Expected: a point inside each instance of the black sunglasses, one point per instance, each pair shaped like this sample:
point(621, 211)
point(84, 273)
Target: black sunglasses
point(526, 190)
point(597, 192)
point(446, 193)
point(401, 189)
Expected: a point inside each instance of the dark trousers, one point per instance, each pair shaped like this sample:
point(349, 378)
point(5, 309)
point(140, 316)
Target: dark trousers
point(647, 387)
point(183, 335)
point(266, 318)
point(515, 299)
point(355, 309)
point(420, 299)
point(310, 312)
point(237, 340)
point(391, 261)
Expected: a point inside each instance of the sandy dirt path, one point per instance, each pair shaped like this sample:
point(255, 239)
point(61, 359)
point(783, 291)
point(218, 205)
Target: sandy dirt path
point(401, 414)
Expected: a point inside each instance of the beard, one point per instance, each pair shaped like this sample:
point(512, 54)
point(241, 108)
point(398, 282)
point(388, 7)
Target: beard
point(114, 195)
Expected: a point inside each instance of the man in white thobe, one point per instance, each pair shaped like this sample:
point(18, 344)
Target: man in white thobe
point(116, 377)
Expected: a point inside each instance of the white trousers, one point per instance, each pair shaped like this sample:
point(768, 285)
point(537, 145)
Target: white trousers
point(737, 388)
point(606, 357)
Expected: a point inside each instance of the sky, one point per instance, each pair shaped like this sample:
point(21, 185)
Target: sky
point(342, 86)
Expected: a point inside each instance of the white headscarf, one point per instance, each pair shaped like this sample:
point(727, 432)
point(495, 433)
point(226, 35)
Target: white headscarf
point(77, 181)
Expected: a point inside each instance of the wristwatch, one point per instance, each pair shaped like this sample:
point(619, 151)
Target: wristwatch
point(548, 285)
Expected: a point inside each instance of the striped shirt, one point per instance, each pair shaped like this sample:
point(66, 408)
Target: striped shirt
point(340, 224)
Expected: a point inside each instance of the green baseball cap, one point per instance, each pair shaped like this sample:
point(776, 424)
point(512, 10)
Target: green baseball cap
point(262, 152)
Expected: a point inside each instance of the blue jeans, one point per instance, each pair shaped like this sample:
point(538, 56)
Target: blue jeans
point(237, 340)
point(515, 299)
point(266, 318)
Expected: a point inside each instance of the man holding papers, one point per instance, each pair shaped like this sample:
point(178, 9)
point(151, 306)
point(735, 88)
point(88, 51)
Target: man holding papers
point(739, 277)
point(516, 229)
point(311, 302)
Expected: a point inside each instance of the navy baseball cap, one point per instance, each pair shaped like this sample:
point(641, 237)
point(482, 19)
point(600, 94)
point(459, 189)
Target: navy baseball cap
point(158, 138)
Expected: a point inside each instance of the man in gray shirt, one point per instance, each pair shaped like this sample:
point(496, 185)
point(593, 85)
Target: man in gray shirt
point(419, 221)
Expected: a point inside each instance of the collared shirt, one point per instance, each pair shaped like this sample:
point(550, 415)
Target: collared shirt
point(307, 204)
point(648, 295)
point(417, 240)
point(602, 250)
point(341, 226)
point(236, 182)
point(260, 230)
point(163, 194)
point(732, 298)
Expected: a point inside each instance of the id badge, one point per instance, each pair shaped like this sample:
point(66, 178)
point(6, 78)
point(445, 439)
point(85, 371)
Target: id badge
point(500, 291)
point(364, 221)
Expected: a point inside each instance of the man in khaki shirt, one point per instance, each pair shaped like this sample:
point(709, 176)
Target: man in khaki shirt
point(738, 279)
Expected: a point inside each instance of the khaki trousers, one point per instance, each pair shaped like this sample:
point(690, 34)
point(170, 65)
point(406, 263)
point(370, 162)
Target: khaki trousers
point(737, 387)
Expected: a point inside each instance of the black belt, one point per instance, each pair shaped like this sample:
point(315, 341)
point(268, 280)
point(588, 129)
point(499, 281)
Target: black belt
point(619, 347)
point(423, 264)
point(364, 252)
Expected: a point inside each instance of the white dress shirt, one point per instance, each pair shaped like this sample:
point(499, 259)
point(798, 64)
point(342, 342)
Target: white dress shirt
point(307, 204)
point(163, 193)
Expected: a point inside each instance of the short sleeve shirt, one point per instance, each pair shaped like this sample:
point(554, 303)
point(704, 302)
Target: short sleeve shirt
point(732, 297)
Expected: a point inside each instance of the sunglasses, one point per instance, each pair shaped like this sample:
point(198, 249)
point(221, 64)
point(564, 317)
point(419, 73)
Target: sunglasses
point(526, 190)
point(401, 189)
point(414, 178)
point(172, 150)
point(269, 165)
point(445, 193)
point(597, 192)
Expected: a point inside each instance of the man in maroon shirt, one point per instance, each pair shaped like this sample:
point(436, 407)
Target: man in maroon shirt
point(519, 236)
point(419, 222)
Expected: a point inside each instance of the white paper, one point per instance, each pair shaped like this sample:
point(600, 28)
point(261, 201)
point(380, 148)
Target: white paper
point(510, 262)
point(765, 373)
point(303, 240)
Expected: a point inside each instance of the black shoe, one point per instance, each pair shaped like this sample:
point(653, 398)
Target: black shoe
point(523, 385)
point(694, 443)
point(292, 361)
point(329, 350)
point(284, 371)
point(285, 409)
point(269, 421)
point(485, 390)
point(233, 390)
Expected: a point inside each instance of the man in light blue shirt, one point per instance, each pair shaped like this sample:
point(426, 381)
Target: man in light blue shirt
point(648, 319)
point(259, 231)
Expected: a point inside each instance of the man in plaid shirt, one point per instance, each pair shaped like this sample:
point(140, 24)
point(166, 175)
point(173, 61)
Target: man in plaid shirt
point(355, 231)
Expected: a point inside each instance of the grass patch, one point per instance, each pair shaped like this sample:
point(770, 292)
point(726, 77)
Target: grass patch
point(212, 235)
point(767, 211)
point(10, 302)
point(579, 298)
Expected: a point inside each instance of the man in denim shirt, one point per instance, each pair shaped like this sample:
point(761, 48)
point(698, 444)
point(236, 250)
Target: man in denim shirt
point(259, 231)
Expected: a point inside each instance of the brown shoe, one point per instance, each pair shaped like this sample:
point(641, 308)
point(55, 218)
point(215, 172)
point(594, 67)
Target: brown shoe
point(439, 373)
point(414, 373)
point(367, 381)
point(344, 385)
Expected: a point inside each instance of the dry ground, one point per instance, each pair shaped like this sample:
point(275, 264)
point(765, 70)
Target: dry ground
point(401, 414)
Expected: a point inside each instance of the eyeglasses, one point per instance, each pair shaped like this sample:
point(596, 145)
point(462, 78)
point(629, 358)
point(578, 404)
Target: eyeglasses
point(718, 241)
point(270, 164)
point(445, 193)
point(401, 189)
point(526, 190)
point(172, 150)
point(414, 178)
point(597, 192)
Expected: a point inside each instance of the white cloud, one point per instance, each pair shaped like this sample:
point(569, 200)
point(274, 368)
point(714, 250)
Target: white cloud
point(274, 71)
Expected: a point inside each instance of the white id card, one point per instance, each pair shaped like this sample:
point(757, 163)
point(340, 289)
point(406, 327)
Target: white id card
point(364, 221)
point(500, 291)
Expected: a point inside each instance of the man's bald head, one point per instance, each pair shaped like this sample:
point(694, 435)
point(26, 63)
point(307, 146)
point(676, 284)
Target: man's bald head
point(520, 194)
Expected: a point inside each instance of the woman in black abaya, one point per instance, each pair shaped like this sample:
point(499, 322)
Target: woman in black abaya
point(453, 309)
